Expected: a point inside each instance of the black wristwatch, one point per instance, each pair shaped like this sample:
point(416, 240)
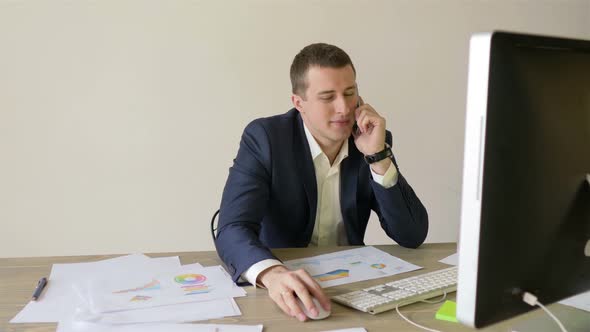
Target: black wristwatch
point(385, 153)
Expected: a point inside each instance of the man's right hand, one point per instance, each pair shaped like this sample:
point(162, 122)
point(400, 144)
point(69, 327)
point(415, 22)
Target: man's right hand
point(285, 286)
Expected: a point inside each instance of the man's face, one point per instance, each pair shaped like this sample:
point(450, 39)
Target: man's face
point(329, 104)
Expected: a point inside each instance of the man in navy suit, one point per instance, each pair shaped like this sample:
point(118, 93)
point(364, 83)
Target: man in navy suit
point(310, 177)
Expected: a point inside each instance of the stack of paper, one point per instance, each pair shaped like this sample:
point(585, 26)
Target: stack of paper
point(580, 301)
point(147, 288)
point(133, 289)
point(451, 260)
point(155, 327)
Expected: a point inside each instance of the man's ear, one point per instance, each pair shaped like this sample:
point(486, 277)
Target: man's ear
point(297, 102)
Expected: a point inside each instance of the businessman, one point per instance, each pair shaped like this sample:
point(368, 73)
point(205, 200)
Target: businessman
point(310, 177)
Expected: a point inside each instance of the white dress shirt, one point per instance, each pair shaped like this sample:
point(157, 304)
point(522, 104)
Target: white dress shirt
point(329, 227)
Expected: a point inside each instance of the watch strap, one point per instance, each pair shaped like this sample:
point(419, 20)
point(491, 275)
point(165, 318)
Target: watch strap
point(385, 153)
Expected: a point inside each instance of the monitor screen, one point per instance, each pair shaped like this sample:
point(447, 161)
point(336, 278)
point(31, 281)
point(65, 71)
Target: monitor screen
point(525, 214)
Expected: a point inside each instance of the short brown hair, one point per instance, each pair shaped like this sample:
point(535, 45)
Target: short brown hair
point(319, 54)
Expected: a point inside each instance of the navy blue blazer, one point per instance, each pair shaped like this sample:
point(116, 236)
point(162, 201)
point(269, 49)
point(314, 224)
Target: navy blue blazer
point(270, 197)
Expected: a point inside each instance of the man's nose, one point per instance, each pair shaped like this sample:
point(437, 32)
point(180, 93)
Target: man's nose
point(342, 106)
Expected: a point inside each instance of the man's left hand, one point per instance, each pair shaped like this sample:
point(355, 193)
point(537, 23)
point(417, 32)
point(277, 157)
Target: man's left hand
point(370, 136)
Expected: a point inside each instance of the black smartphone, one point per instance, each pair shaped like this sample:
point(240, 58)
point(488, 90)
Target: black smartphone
point(355, 127)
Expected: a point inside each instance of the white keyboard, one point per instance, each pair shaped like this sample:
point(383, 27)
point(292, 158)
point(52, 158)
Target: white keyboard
point(387, 296)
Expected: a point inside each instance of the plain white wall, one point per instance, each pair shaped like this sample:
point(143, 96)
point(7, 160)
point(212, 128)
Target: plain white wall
point(119, 119)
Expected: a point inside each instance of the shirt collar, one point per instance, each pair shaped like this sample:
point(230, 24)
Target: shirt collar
point(316, 150)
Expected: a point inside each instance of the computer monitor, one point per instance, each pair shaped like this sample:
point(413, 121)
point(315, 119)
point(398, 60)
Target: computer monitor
point(525, 214)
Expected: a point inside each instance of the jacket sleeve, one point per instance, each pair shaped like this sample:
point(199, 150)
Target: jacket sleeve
point(245, 203)
point(401, 214)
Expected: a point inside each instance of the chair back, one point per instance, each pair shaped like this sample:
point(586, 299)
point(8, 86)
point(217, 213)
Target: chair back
point(213, 225)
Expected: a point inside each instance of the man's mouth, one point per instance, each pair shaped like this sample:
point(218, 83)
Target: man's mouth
point(340, 122)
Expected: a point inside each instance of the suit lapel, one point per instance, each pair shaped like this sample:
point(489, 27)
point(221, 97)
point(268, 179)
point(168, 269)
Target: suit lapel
point(306, 171)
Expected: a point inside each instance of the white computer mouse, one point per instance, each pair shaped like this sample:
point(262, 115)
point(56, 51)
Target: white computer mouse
point(321, 312)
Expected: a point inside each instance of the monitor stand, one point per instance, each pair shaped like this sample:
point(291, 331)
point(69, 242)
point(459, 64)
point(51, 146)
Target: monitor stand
point(574, 320)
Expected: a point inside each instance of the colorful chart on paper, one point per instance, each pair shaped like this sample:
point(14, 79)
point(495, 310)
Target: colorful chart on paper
point(137, 288)
point(193, 284)
point(137, 298)
point(152, 285)
point(190, 279)
point(333, 275)
point(351, 265)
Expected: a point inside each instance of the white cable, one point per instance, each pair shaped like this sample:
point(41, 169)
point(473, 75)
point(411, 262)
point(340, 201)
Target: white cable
point(437, 301)
point(531, 300)
point(416, 324)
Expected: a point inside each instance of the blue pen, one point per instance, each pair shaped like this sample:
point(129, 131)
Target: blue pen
point(39, 289)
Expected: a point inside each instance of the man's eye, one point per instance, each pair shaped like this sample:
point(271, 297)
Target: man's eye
point(326, 98)
point(349, 94)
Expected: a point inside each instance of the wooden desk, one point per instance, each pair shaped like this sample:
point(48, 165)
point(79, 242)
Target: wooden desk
point(18, 277)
